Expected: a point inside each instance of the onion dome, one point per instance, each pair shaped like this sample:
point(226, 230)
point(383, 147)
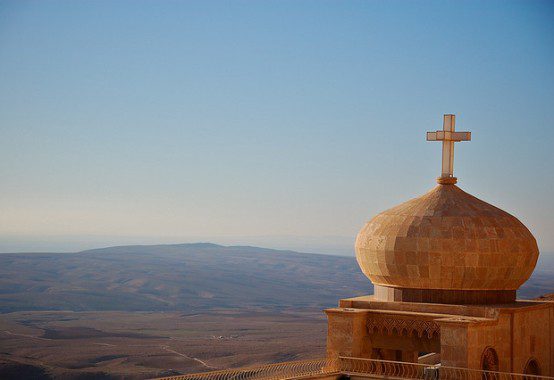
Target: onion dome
point(446, 239)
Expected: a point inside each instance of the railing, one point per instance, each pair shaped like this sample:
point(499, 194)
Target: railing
point(355, 367)
point(278, 371)
point(405, 370)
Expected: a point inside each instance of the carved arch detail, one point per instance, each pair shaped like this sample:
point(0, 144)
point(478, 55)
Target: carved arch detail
point(489, 360)
point(406, 327)
point(532, 367)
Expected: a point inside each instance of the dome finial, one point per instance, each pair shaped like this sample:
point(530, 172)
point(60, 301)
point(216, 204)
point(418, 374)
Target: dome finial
point(448, 137)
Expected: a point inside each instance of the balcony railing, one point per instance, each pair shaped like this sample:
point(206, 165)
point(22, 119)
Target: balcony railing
point(278, 371)
point(354, 367)
point(404, 370)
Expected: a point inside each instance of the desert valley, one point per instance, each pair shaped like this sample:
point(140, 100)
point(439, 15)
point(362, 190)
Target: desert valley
point(144, 311)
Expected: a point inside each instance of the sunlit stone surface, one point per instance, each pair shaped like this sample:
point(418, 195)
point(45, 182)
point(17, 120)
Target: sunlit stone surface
point(446, 239)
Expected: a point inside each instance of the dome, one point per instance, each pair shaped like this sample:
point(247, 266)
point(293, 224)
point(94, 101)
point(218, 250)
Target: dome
point(446, 239)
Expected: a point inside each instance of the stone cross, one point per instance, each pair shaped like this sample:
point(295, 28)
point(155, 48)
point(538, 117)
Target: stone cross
point(448, 137)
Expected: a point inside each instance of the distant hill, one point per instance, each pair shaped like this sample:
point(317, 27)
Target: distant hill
point(542, 279)
point(188, 277)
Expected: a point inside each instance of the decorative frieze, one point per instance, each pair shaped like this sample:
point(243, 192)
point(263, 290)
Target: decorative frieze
point(406, 327)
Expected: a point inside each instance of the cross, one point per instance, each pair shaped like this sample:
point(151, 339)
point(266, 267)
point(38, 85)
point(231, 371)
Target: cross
point(448, 137)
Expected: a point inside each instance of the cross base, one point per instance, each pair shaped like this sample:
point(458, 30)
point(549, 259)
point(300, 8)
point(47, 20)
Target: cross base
point(447, 180)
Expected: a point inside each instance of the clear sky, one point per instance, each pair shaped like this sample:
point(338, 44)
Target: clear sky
point(277, 123)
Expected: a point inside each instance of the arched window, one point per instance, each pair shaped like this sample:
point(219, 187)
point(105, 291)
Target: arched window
point(489, 362)
point(532, 367)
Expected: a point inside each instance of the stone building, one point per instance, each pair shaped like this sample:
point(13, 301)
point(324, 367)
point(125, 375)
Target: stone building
point(445, 267)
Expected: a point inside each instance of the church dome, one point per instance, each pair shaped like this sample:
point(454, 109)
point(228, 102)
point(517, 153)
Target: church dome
point(446, 239)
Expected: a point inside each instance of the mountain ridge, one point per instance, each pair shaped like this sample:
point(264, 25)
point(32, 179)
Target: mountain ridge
point(194, 277)
point(204, 245)
point(197, 276)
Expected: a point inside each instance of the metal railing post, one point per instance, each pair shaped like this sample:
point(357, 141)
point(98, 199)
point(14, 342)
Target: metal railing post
point(431, 373)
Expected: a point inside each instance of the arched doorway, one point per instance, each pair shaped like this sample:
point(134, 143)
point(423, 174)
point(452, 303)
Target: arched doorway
point(489, 362)
point(532, 367)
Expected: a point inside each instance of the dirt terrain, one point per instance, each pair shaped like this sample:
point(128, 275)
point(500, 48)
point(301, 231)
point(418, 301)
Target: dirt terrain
point(147, 344)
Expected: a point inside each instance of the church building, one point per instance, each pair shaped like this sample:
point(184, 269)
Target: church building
point(445, 268)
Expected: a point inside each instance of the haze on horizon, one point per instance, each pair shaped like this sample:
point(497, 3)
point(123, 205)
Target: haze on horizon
point(284, 124)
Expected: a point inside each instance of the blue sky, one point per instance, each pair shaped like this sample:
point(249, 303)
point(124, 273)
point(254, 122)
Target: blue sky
point(279, 123)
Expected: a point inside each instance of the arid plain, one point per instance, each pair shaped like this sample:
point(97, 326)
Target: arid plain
point(148, 344)
point(145, 311)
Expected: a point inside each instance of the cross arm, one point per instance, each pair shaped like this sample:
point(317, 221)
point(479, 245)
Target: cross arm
point(448, 136)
